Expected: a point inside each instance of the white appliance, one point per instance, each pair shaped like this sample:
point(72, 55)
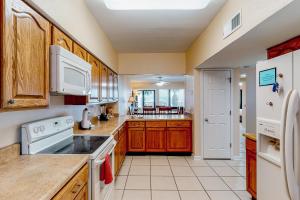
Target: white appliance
point(278, 123)
point(85, 122)
point(69, 73)
point(55, 136)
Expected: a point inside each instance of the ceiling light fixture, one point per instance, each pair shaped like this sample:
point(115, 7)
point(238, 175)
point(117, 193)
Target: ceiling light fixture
point(160, 82)
point(156, 4)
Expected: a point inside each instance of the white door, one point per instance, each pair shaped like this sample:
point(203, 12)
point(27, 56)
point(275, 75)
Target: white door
point(217, 107)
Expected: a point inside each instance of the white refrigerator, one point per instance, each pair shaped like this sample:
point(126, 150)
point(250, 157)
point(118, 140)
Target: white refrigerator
point(278, 125)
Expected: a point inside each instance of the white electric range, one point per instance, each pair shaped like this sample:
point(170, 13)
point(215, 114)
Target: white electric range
point(55, 136)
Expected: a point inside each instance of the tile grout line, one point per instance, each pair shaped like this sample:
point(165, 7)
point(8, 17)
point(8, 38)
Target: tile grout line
point(198, 179)
point(126, 179)
point(230, 189)
point(174, 179)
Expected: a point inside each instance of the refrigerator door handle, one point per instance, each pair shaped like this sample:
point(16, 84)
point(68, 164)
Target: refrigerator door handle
point(288, 151)
point(282, 136)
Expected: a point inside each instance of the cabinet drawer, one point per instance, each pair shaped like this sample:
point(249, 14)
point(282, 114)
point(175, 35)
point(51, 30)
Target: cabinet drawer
point(74, 186)
point(156, 123)
point(136, 124)
point(250, 145)
point(83, 194)
point(179, 123)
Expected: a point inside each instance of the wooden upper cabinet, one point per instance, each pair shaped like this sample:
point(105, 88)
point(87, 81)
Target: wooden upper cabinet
point(104, 82)
point(59, 38)
point(116, 87)
point(79, 51)
point(110, 84)
point(96, 68)
point(25, 72)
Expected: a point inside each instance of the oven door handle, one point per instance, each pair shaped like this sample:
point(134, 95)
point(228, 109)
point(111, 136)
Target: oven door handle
point(101, 161)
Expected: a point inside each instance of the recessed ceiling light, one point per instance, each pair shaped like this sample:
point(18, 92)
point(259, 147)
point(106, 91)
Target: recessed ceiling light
point(243, 75)
point(156, 4)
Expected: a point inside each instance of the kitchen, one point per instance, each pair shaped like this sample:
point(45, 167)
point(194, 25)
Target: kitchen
point(104, 118)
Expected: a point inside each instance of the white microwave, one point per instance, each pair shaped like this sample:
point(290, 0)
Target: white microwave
point(70, 74)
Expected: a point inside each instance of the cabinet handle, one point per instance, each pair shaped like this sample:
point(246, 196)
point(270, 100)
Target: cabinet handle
point(11, 101)
point(76, 187)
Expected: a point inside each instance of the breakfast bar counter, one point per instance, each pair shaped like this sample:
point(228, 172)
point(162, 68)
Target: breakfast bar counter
point(106, 128)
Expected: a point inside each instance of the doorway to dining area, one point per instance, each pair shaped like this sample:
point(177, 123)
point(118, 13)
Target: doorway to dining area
point(156, 94)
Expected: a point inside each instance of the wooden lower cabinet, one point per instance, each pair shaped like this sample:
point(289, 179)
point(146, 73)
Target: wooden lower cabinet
point(76, 188)
point(136, 140)
point(179, 140)
point(155, 139)
point(83, 194)
point(160, 136)
point(251, 167)
point(120, 149)
point(117, 153)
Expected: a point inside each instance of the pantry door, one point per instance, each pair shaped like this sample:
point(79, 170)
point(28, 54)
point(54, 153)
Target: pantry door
point(217, 114)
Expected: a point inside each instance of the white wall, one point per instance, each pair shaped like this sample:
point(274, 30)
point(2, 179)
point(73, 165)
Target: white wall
point(152, 63)
point(211, 41)
point(10, 122)
point(75, 17)
point(124, 94)
point(189, 94)
point(250, 99)
point(235, 112)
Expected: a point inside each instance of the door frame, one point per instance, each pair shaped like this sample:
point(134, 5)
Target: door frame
point(202, 106)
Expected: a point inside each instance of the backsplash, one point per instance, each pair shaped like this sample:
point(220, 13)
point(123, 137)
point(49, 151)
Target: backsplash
point(10, 122)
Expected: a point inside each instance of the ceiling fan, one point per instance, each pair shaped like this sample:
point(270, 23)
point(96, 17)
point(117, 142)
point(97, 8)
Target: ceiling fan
point(160, 82)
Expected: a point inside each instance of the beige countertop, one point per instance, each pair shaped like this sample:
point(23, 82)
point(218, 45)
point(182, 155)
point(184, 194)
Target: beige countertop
point(109, 127)
point(37, 177)
point(251, 136)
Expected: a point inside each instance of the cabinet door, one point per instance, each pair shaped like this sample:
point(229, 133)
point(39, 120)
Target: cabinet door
point(95, 93)
point(136, 140)
point(251, 172)
point(26, 40)
point(115, 87)
point(83, 194)
point(117, 153)
point(110, 84)
point(155, 139)
point(59, 38)
point(79, 51)
point(104, 75)
point(179, 140)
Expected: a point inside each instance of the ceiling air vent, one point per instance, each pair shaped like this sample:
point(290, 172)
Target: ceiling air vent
point(232, 25)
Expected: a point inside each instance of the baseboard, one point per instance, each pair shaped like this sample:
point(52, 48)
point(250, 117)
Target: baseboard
point(197, 157)
point(237, 157)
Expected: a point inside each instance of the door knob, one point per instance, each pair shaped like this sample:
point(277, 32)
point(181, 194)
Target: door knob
point(206, 119)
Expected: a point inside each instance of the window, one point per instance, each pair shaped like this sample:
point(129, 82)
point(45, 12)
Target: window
point(149, 98)
point(145, 98)
point(177, 97)
point(171, 97)
point(164, 97)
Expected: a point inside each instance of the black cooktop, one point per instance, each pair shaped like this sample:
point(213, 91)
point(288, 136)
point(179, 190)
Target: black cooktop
point(77, 145)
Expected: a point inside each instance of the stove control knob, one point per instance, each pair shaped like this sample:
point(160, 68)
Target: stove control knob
point(36, 130)
point(42, 128)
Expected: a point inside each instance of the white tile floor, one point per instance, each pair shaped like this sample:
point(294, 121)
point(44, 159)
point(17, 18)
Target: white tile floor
point(180, 178)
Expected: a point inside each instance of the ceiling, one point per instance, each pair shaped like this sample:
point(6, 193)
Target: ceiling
point(149, 31)
point(155, 78)
point(251, 47)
